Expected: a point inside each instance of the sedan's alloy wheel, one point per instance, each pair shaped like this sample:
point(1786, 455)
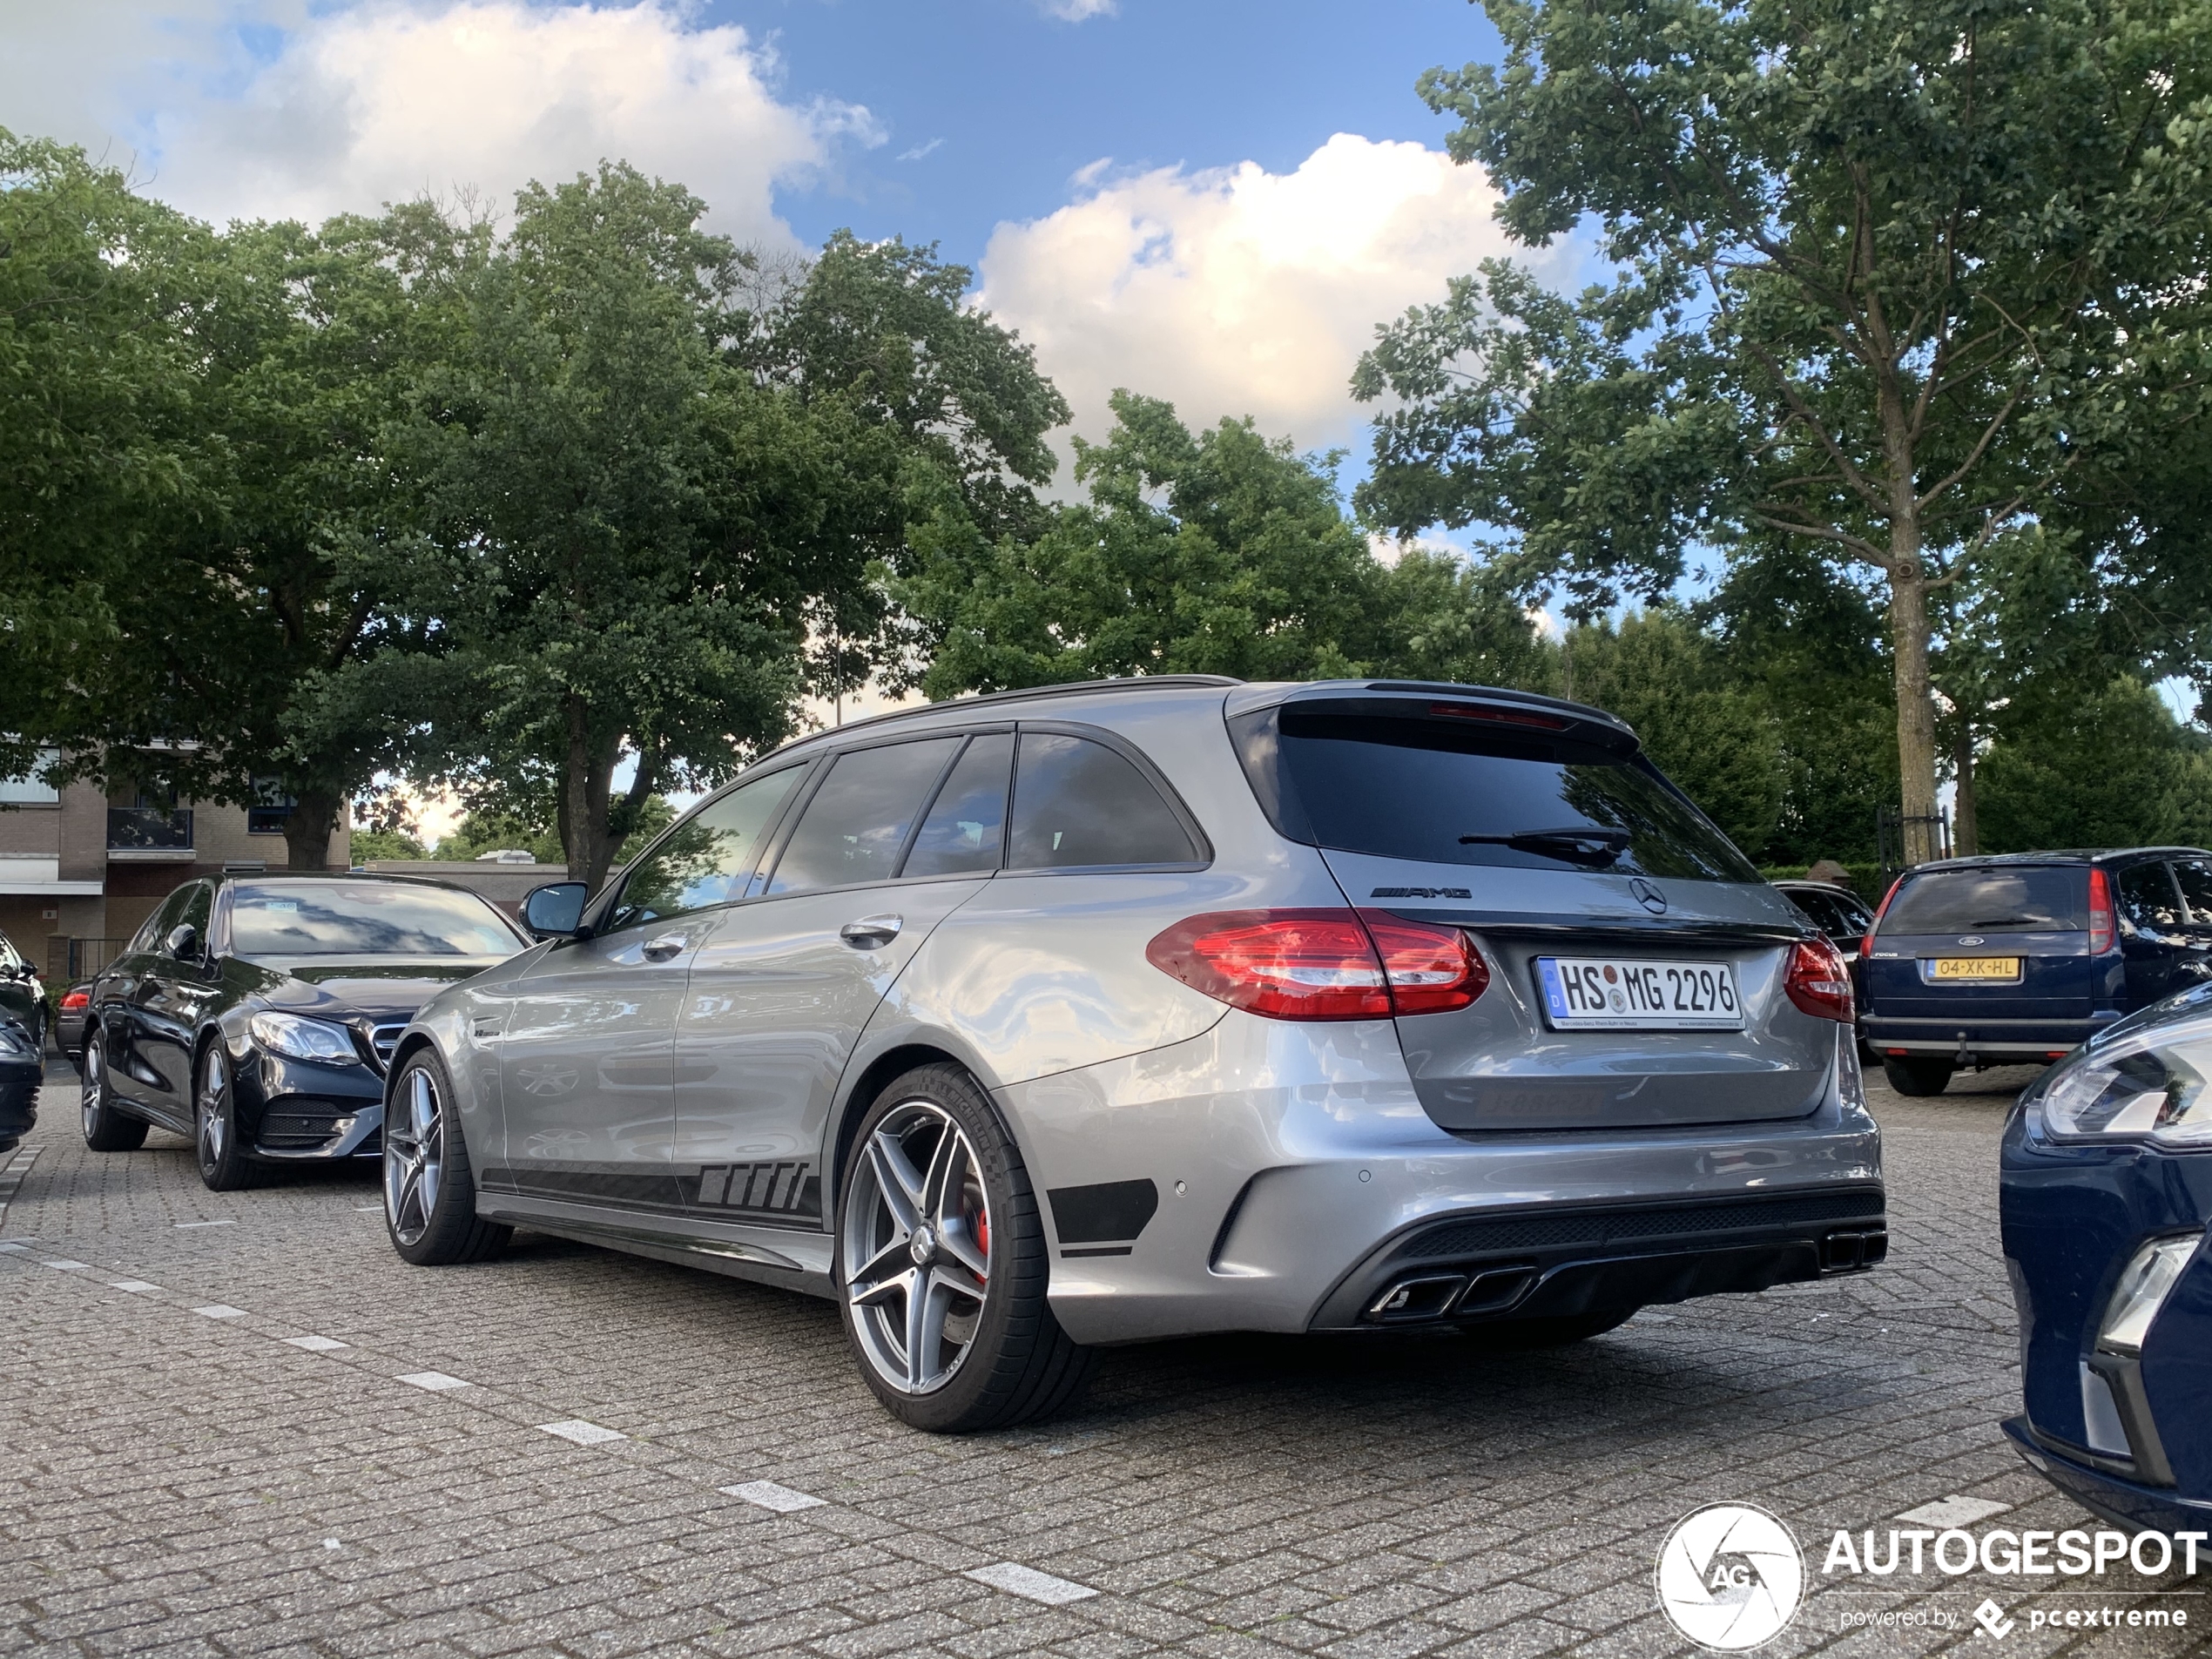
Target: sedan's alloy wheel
point(88, 1104)
point(414, 1156)
point(915, 1251)
point(210, 1108)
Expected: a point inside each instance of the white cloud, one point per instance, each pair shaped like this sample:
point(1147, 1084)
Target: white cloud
point(1079, 11)
point(1238, 291)
point(265, 110)
point(919, 150)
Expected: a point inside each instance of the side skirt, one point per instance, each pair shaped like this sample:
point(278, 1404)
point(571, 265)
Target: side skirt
point(782, 1256)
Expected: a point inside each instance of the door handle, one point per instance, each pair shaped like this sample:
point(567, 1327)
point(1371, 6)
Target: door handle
point(870, 933)
point(659, 950)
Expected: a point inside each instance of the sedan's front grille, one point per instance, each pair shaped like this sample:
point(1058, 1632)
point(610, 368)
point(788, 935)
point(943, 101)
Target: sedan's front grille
point(298, 1125)
point(385, 1039)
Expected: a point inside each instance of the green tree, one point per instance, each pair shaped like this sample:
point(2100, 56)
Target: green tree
point(1890, 278)
point(397, 845)
point(2112, 768)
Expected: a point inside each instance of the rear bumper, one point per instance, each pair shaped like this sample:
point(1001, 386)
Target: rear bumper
point(1980, 1041)
point(1274, 1176)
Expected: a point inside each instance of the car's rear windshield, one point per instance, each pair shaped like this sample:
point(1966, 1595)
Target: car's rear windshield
point(1444, 790)
point(2020, 899)
point(365, 919)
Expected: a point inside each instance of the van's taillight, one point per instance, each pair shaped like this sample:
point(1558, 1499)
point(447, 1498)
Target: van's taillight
point(1818, 981)
point(1322, 964)
point(77, 1000)
point(1867, 945)
point(2099, 912)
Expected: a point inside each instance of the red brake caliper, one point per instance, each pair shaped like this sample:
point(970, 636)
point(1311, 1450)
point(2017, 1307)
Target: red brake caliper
point(983, 1235)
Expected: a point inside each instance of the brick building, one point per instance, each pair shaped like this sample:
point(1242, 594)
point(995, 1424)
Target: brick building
point(82, 865)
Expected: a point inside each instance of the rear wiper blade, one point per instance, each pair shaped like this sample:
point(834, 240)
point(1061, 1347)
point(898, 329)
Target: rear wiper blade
point(1578, 844)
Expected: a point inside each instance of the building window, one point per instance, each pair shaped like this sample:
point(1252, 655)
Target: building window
point(268, 818)
point(32, 790)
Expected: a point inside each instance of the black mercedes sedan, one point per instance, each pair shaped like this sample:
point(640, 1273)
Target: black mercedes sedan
point(257, 1013)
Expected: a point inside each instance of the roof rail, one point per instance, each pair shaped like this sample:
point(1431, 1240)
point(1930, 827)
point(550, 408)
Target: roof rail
point(1066, 688)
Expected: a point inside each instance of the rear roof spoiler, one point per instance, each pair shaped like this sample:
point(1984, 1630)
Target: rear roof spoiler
point(1530, 711)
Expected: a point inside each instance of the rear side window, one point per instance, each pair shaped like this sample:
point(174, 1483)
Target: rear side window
point(2195, 877)
point(1444, 791)
point(2147, 897)
point(2034, 898)
point(1078, 804)
point(966, 830)
point(855, 826)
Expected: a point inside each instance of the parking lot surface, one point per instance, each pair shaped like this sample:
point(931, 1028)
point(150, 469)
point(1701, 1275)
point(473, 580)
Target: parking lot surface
point(236, 1423)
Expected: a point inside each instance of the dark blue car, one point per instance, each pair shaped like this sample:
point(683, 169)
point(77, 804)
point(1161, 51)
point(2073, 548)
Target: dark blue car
point(2106, 1190)
point(1998, 962)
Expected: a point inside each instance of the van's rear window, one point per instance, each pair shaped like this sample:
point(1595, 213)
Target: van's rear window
point(1443, 791)
point(2020, 899)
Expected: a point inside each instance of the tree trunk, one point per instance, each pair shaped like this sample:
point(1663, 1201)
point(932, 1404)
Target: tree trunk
point(1966, 833)
point(1916, 742)
point(587, 783)
point(308, 829)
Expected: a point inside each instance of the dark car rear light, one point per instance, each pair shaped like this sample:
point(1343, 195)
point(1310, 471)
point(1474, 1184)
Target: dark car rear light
point(1818, 981)
point(1321, 964)
point(75, 1000)
point(2101, 930)
point(1501, 717)
point(1867, 945)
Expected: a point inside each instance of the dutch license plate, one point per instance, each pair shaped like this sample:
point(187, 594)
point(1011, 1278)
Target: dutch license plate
point(1975, 967)
point(1623, 994)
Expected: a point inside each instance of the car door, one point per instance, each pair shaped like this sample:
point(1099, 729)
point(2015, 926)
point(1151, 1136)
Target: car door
point(892, 839)
point(2152, 922)
point(171, 997)
point(587, 1057)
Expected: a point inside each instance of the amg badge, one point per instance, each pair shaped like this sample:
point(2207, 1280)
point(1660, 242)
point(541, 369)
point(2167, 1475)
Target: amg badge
point(1420, 893)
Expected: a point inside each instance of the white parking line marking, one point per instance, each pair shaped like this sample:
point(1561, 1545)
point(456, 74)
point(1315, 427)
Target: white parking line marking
point(1953, 1512)
point(435, 1381)
point(12, 1244)
point(61, 1264)
point(1017, 1580)
point(205, 1224)
point(769, 1495)
point(135, 1285)
point(317, 1344)
point(221, 1310)
point(368, 1208)
point(582, 1433)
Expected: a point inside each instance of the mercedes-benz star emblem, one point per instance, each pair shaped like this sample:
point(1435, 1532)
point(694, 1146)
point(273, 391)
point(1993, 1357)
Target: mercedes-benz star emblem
point(1649, 896)
point(922, 1247)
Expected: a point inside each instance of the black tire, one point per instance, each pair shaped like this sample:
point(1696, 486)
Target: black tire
point(1917, 1076)
point(107, 1128)
point(1526, 1336)
point(1016, 1364)
point(429, 1192)
point(225, 1163)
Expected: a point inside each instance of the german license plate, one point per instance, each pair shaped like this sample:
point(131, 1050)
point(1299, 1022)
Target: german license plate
point(1986, 968)
point(1623, 994)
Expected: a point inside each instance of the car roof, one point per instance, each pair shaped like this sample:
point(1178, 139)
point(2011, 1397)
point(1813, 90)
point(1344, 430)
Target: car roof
point(374, 878)
point(1798, 884)
point(2065, 855)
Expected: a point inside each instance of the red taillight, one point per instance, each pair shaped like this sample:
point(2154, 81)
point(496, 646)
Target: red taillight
point(2099, 912)
point(1818, 981)
point(1867, 945)
point(77, 1000)
point(1321, 964)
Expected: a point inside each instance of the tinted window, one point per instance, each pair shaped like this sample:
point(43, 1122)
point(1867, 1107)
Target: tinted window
point(2035, 898)
point(704, 859)
point(365, 919)
point(1831, 915)
point(1078, 803)
point(966, 827)
point(855, 827)
point(157, 925)
point(2195, 878)
point(2147, 898)
point(1444, 792)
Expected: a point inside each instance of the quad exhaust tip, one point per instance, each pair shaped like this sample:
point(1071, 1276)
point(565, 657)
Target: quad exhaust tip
point(1434, 1296)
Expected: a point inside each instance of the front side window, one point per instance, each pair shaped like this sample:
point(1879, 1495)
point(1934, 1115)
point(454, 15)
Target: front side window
point(855, 827)
point(1078, 804)
point(365, 919)
point(704, 859)
point(965, 831)
point(2033, 898)
point(159, 925)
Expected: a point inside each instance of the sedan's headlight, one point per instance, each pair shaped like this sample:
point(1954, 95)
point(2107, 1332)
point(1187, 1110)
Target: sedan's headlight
point(2152, 1085)
point(298, 1039)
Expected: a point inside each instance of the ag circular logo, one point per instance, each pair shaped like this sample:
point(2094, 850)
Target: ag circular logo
point(1731, 1576)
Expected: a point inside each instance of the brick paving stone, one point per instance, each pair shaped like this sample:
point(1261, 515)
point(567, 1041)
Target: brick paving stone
point(167, 1479)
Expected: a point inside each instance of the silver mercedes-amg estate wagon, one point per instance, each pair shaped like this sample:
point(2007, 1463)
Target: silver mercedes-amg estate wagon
point(1097, 1013)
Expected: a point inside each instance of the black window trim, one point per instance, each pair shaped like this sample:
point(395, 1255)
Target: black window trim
point(1136, 756)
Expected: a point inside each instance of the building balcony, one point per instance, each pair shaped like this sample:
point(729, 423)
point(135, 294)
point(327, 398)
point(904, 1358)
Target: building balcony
point(146, 834)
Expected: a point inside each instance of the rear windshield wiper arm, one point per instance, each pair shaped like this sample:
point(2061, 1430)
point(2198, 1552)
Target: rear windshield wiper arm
point(1579, 844)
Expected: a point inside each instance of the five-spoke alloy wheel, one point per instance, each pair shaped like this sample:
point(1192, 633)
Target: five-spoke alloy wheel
point(429, 1195)
point(223, 1163)
point(940, 1265)
point(106, 1129)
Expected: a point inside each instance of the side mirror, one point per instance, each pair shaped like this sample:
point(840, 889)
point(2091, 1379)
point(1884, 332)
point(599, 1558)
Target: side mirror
point(555, 910)
point(182, 943)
